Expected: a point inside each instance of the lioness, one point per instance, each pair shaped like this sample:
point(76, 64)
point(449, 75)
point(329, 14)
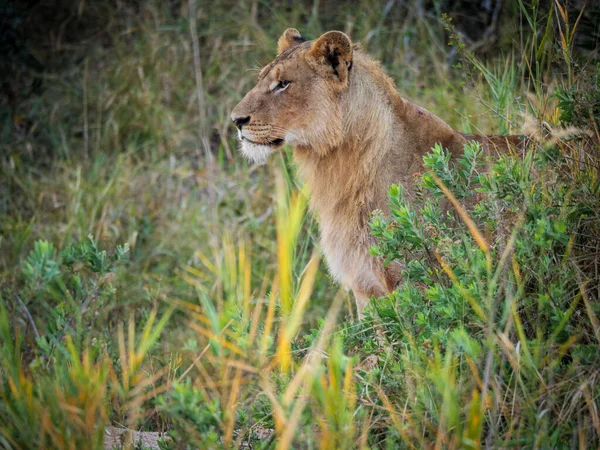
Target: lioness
point(353, 136)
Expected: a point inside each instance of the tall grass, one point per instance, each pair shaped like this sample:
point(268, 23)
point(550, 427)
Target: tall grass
point(490, 341)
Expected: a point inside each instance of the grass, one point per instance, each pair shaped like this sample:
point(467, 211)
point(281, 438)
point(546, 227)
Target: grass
point(151, 279)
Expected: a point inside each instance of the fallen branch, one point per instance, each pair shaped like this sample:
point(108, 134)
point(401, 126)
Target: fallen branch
point(28, 314)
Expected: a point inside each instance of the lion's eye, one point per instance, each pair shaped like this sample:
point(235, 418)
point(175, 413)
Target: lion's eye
point(279, 86)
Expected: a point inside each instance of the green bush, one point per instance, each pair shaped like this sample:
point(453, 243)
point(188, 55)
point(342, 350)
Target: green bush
point(196, 418)
point(507, 303)
point(67, 294)
point(580, 107)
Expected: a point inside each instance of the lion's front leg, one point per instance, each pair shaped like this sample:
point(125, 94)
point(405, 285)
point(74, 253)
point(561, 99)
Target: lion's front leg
point(362, 296)
point(381, 282)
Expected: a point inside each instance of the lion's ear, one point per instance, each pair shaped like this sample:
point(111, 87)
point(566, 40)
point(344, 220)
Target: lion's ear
point(289, 38)
point(333, 51)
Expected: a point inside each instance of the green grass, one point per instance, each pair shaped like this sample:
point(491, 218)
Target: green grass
point(151, 279)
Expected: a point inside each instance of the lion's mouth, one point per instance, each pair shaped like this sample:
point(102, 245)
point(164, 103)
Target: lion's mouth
point(273, 143)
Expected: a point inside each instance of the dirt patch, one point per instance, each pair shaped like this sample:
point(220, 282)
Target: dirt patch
point(123, 438)
point(117, 437)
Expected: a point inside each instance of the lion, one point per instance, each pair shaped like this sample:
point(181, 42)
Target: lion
point(352, 135)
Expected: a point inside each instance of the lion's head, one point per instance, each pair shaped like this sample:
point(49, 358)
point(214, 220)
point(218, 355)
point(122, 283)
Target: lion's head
point(297, 97)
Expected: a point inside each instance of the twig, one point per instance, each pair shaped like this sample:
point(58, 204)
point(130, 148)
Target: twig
point(35, 331)
point(86, 138)
point(199, 83)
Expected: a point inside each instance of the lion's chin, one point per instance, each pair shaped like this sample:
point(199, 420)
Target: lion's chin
point(256, 153)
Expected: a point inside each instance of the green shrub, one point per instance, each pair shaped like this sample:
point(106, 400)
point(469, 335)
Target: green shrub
point(67, 294)
point(496, 319)
point(196, 418)
point(580, 107)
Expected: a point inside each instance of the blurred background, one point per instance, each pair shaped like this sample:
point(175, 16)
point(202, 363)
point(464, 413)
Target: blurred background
point(115, 114)
point(122, 191)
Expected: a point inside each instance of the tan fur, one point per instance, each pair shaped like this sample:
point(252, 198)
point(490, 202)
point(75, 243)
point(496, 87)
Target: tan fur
point(353, 136)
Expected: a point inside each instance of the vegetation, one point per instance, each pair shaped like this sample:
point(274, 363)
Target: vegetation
point(151, 279)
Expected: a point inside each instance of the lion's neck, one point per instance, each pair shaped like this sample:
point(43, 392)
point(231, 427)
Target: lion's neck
point(344, 182)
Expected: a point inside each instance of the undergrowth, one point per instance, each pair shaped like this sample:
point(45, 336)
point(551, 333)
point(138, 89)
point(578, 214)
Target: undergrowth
point(151, 280)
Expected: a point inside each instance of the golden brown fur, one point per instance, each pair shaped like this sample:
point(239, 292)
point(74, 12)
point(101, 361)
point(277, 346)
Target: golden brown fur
point(353, 136)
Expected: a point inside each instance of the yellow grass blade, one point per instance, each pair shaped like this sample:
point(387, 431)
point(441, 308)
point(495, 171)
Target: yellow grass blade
point(217, 338)
point(289, 221)
point(589, 309)
point(316, 351)
point(232, 406)
point(460, 287)
point(483, 245)
point(257, 310)
point(562, 11)
point(474, 424)
point(400, 427)
point(123, 356)
point(278, 412)
point(245, 268)
point(269, 319)
point(306, 287)
point(210, 266)
point(292, 324)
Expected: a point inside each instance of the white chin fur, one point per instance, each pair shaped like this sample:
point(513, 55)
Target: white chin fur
point(255, 153)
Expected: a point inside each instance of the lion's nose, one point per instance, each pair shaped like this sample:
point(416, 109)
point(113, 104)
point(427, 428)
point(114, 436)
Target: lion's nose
point(240, 121)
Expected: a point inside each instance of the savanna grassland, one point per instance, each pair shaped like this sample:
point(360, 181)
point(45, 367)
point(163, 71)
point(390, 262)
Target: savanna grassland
point(150, 279)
